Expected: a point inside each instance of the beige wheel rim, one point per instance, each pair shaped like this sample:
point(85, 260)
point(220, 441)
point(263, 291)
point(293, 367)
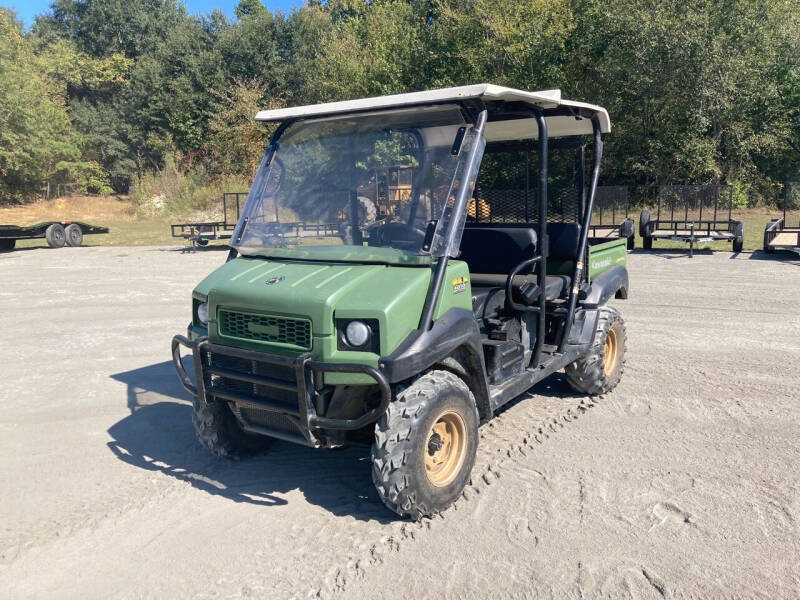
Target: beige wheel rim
point(610, 353)
point(445, 449)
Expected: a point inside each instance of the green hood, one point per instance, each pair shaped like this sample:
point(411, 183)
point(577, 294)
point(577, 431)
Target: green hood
point(321, 291)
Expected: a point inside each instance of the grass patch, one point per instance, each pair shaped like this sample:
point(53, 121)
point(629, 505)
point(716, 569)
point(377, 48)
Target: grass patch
point(118, 214)
point(129, 227)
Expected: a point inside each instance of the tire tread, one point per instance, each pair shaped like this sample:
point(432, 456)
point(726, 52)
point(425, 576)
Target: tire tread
point(586, 374)
point(393, 444)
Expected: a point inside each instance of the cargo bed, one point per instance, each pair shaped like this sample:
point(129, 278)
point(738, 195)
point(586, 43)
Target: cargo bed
point(784, 233)
point(610, 219)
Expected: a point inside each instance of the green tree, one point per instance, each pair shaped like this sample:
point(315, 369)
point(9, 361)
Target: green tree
point(236, 140)
point(35, 133)
point(105, 27)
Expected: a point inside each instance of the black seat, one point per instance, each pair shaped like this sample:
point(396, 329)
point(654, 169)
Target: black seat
point(563, 239)
point(556, 286)
point(497, 249)
point(493, 252)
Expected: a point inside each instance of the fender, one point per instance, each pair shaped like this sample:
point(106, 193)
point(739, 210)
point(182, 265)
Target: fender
point(613, 282)
point(454, 335)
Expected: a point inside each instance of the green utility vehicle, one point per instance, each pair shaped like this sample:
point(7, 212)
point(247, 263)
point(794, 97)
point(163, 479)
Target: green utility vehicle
point(408, 319)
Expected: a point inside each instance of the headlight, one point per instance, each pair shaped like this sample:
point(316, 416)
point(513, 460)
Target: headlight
point(356, 333)
point(202, 313)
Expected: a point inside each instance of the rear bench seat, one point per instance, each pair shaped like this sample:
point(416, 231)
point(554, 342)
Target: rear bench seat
point(493, 252)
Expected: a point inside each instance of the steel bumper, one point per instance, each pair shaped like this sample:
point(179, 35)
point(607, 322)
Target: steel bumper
point(306, 371)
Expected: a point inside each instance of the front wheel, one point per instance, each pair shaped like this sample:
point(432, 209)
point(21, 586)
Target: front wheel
point(425, 446)
point(600, 369)
point(219, 431)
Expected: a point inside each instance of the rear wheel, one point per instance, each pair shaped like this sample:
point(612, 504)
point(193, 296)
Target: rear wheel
point(647, 243)
point(631, 243)
point(600, 370)
point(219, 431)
point(425, 446)
point(6, 245)
point(74, 235)
point(55, 235)
point(738, 244)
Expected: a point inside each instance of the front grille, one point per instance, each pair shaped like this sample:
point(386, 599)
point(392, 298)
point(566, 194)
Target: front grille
point(251, 413)
point(252, 367)
point(268, 419)
point(286, 331)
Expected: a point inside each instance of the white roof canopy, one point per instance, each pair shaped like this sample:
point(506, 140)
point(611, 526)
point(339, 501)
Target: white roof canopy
point(559, 125)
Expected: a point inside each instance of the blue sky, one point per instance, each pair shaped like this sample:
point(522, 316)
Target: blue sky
point(28, 9)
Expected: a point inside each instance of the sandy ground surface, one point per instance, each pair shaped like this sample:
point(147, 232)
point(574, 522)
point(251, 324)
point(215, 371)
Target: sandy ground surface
point(683, 482)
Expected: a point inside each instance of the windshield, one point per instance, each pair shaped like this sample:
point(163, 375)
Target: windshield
point(369, 187)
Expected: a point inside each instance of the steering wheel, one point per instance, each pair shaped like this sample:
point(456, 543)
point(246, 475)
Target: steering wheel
point(399, 235)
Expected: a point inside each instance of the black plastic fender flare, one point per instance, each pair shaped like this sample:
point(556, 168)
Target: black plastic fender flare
point(608, 284)
point(455, 333)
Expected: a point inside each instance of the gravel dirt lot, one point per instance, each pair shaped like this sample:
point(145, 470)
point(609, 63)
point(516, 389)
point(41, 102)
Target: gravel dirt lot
point(683, 482)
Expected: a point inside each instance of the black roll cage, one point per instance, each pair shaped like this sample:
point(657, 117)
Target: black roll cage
point(585, 208)
point(476, 111)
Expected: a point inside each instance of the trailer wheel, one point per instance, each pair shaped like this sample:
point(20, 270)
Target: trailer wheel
point(600, 370)
point(644, 219)
point(647, 243)
point(55, 235)
point(7, 245)
point(631, 243)
point(738, 244)
point(74, 235)
point(219, 431)
point(425, 446)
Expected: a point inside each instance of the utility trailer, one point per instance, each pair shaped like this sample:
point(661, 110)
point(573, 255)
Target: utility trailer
point(57, 233)
point(276, 233)
point(611, 219)
point(201, 233)
point(692, 214)
point(784, 233)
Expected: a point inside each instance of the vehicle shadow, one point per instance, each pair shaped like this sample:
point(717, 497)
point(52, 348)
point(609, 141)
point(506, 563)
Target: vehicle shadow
point(158, 436)
point(781, 256)
point(554, 386)
point(672, 253)
point(18, 249)
point(190, 250)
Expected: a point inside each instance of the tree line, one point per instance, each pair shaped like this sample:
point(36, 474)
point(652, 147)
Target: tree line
point(99, 93)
